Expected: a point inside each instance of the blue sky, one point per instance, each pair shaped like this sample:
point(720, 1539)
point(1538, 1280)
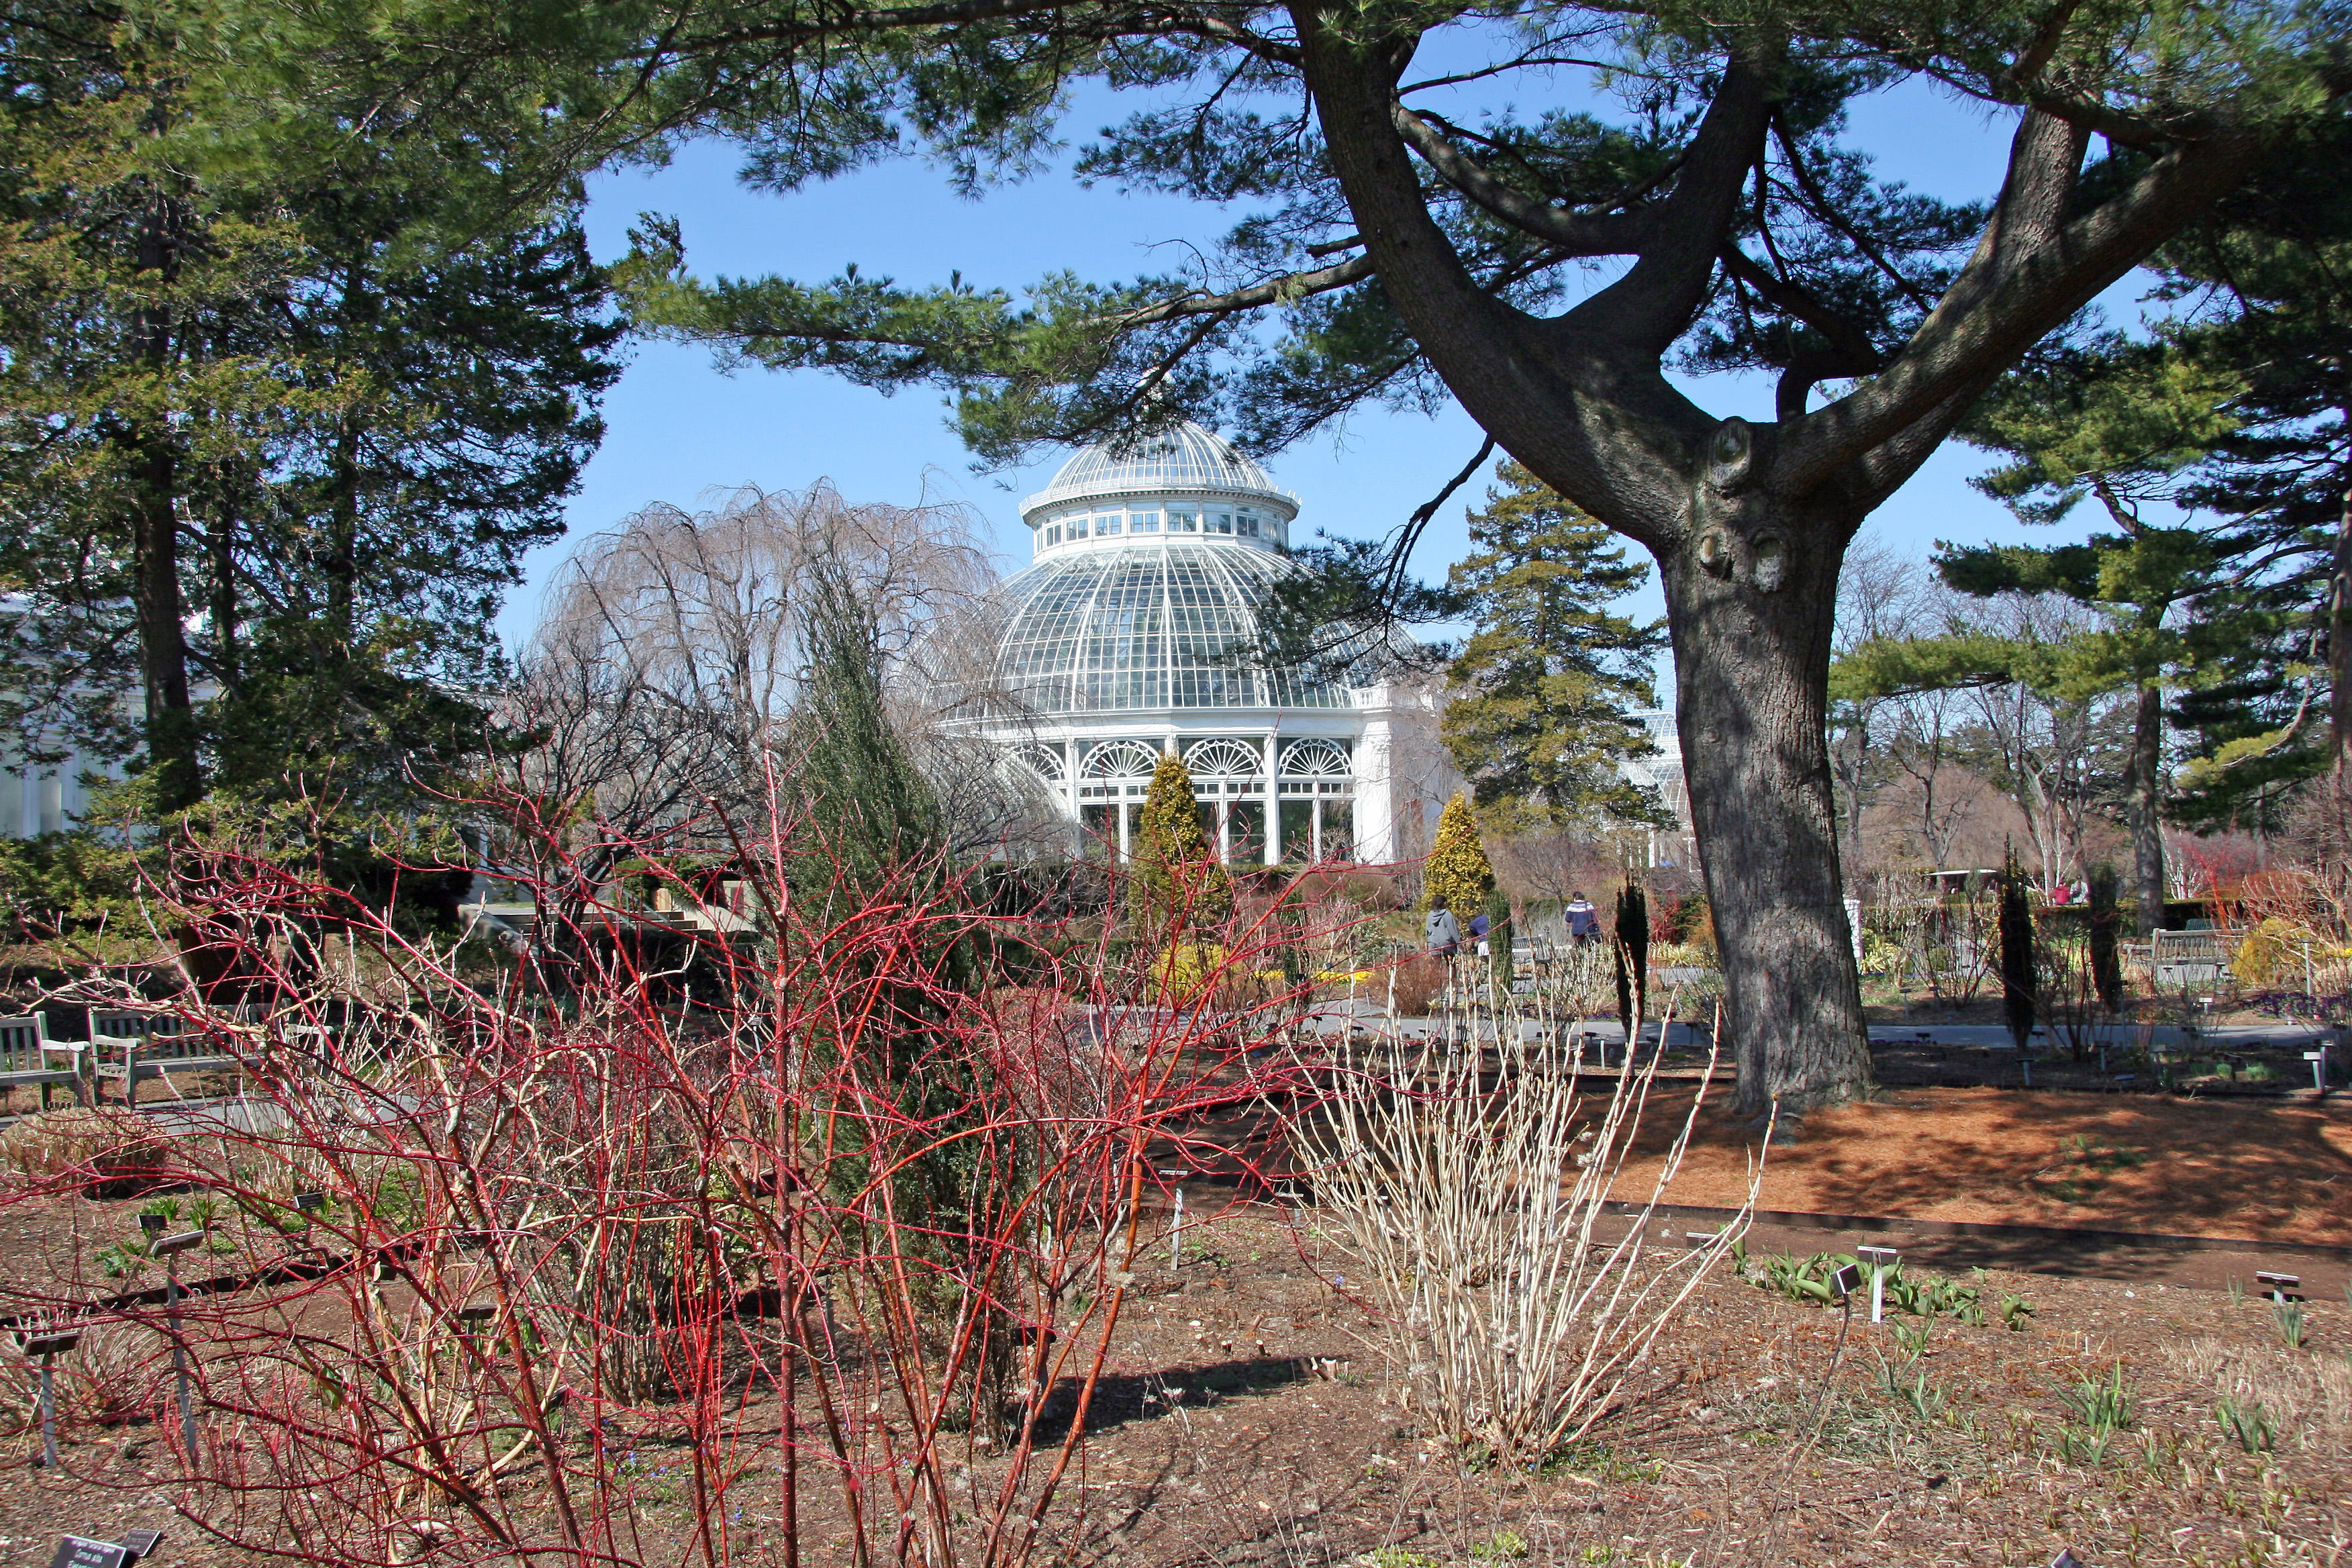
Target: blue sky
point(681, 431)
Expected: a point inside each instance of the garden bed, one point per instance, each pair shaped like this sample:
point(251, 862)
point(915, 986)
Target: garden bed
point(1246, 1421)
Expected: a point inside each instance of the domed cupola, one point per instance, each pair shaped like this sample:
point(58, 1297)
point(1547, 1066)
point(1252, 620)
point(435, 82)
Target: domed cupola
point(1185, 484)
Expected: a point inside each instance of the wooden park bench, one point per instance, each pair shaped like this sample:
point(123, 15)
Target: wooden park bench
point(28, 1056)
point(132, 1046)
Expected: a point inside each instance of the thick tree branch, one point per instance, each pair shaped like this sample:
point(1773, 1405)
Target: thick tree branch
point(1848, 352)
point(1613, 437)
point(2029, 273)
point(1793, 299)
point(1828, 213)
point(1576, 232)
point(1645, 310)
point(821, 21)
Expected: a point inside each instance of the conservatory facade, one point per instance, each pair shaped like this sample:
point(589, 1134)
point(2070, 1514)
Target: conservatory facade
point(1128, 638)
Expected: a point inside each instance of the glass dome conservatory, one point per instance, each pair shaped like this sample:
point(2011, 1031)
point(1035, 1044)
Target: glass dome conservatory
point(1129, 636)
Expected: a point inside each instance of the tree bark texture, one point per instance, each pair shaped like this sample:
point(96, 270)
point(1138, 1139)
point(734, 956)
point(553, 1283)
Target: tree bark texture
point(2146, 806)
point(171, 720)
point(1751, 634)
point(2339, 639)
point(170, 715)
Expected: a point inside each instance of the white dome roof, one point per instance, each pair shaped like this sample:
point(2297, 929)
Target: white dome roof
point(1188, 459)
point(1146, 626)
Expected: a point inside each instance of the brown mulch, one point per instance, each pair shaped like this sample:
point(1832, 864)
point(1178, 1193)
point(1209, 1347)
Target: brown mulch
point(1249, 1419)
point(2275, 1171)
point(1250, 1416)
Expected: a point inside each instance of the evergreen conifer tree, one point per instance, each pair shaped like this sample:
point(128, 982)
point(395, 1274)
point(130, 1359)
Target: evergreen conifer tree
point(1633, 958)
point(1457, 875)
point(2107, 963)
point(1543, 689)
point(1175, 864)
point(2018, 1000)
point(877, 814)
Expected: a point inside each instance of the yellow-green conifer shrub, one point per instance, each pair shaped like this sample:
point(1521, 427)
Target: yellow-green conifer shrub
point(1458, 876)
point(1175, 866)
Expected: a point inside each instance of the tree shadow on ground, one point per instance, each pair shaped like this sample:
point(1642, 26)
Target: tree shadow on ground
point(2258, 1171)
point(1121, 1398)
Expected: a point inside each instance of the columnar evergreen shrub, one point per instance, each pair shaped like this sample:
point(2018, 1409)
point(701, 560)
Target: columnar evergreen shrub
point(1632, 956)
point(1458, 876)
point(2018, 1000)
point(1176, 867)
point(2106, 965)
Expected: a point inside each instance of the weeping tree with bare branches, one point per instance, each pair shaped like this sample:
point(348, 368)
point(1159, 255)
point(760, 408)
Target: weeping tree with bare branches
point(689, 665)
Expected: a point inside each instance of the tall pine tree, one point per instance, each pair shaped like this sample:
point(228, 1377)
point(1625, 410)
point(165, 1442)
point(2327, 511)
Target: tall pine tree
point(1544, 689)
point(274, 434)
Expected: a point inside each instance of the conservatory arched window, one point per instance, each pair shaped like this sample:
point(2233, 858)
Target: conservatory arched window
point(1229, 780)
point(1318, 793)
point(1112, 782)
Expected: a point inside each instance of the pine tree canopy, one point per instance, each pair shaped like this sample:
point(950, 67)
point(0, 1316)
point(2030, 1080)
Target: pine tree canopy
point(2219, 447)
point(286, 402)
point(1544, 687)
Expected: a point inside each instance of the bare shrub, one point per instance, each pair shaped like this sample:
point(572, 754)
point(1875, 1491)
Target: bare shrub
point(112, 1152)
point(1414, 983)
point(110, 1378)
point(1474, 1204)
point(827, 1220)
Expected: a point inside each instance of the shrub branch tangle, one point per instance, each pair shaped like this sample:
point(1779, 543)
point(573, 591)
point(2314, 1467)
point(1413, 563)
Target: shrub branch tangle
point(686, 1231)
point(1472, 1199)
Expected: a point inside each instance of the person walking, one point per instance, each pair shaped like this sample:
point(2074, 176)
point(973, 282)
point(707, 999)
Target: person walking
point(1478, 933)
point(1442, 932)
point(1583, 920)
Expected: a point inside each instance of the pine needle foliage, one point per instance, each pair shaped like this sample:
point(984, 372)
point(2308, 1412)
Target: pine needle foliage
point(1546, 687)
point(854, 768)
point(1458, 876)
point(1176, 867)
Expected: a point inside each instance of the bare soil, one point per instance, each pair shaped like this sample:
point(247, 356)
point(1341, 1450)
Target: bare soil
point(2252, 1171)
point(1252, 1416)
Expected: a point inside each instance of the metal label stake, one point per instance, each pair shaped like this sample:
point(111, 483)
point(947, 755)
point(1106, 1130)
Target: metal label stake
point(169, 1248)
point(49, 1347)
point(1881, 1260)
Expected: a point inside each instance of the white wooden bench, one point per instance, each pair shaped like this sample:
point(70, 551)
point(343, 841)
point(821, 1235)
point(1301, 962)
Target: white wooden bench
point(131, 1046)
point(28, 1056)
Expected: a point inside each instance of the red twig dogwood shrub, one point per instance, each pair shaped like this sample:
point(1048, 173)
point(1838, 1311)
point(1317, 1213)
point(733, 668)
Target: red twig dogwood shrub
point(791, 1222)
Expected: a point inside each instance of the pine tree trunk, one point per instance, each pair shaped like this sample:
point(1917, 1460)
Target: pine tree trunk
point(171, 718)
point(2339, 638)
point(2147, 807)
point(1752, 620)
point(156, 606)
